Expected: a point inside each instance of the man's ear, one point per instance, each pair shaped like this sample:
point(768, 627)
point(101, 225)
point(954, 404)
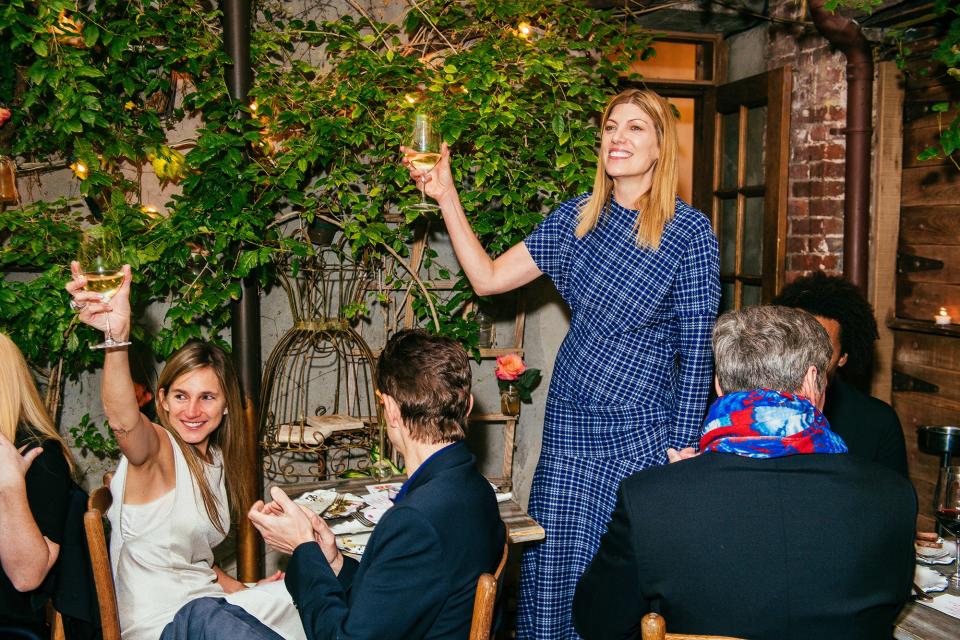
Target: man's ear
point(391, 411)
point(811, 389)
point(843, 360)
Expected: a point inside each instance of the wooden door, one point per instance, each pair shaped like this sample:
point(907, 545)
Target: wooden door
point(751, 146)
point(926, 357)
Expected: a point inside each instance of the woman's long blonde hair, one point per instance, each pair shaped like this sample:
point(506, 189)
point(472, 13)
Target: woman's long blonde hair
point(227, 437)
point(657, 205)
point(20, 404)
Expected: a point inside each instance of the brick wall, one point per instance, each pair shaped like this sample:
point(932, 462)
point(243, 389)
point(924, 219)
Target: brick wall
point(815, 193)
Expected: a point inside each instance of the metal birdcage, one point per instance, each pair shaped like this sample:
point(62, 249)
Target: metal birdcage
point(318, 412)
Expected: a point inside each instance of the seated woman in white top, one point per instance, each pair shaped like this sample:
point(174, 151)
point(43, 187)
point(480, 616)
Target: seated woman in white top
point(178, 482)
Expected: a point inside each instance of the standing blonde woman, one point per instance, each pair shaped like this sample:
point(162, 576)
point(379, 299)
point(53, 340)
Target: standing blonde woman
point(35, 468)
point(639, 269)
point(178, 482)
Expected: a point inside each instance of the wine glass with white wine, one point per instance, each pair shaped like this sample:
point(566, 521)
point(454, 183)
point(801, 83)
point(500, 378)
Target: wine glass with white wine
point(101, 263)
point(424, 153)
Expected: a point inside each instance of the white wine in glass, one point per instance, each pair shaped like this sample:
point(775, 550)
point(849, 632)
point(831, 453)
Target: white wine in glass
point(101, 262)
point(424, 144)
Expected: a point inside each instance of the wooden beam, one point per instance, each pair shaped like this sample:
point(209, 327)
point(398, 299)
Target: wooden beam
point(885, 221)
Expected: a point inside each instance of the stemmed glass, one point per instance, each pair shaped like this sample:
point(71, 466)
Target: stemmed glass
point(101, 262)
point(381, 469)
point(424, 145)
point(947, 509)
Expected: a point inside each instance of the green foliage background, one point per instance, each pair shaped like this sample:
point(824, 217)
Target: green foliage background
point(331, 100)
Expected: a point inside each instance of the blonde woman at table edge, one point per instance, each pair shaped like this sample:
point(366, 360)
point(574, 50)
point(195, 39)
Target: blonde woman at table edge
point(35, 468)
point(178, 482)
point(639, 269)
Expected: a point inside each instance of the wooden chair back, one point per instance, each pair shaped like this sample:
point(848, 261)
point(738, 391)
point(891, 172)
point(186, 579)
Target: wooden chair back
point(97, 506)
point(485, 600)
point(654, 627)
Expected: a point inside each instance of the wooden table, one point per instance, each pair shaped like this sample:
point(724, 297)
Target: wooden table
point(920, 622)
point(520, 526)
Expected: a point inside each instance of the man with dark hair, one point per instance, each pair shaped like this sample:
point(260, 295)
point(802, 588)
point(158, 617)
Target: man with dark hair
point(772, 532)
point(419, 571)
point(869, 426)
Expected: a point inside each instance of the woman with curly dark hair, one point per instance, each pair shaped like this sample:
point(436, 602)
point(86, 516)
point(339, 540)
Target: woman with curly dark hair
point(869, 426)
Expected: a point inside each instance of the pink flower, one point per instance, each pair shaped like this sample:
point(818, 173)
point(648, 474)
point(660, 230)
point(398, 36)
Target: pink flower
point(4, 115)
point(509, 367)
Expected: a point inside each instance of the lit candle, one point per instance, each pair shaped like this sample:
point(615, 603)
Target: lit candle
point(942, 317)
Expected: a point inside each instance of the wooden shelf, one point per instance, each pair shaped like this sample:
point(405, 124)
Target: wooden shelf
point(922, 326)
point(493, 417)
point(484, 353)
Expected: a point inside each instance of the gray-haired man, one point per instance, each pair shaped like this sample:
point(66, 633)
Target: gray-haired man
point(773, 531)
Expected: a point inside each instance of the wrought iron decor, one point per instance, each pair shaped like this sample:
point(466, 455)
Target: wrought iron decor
point(318, 413)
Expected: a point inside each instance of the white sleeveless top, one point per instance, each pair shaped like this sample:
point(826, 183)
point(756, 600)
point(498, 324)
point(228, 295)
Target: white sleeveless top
point(162, 557)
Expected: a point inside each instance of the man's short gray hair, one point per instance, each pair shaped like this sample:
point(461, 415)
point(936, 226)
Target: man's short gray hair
point(769, 347)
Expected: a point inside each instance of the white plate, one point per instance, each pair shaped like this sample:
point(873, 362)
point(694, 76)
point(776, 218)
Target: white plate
point(353, 543)
point(317, 501)
point(929, 580)
point(932, 555)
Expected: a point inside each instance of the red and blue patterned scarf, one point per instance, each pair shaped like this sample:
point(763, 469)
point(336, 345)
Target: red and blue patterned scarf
point(767, 424)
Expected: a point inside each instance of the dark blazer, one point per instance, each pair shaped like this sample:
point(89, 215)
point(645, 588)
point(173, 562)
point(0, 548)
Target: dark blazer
point(806, 546)
point(869, 426)
point(419, 571)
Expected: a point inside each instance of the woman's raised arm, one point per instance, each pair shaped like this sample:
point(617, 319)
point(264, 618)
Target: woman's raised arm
point(513, 269)
point(135, 435)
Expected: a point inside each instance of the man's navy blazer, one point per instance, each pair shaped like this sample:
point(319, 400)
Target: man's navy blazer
point(418, 576)
point(793, 548)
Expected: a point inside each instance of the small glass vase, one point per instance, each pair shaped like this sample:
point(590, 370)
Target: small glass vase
point(486, 333)
point(510, 401)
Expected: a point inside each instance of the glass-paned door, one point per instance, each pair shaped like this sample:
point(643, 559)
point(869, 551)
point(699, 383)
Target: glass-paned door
point(749, 214)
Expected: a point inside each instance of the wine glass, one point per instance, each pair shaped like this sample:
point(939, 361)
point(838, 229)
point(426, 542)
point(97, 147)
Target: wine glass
point(947, 505)
point(424, 144)
point(381, 469)
point(101, 262)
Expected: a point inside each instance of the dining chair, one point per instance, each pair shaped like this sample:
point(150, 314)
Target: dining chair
point(97, 506)
point(56, 623)
point(654, 627)
point(484, 601)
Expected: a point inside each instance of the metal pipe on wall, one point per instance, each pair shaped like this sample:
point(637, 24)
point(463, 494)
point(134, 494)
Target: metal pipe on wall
point(845, 35)
point(245, 312)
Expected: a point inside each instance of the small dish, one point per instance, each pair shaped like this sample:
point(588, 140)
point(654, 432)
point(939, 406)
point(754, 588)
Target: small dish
point(944, 554)
point(346, 505)
point(353, 543)
point(317, 501)
point(929, 580)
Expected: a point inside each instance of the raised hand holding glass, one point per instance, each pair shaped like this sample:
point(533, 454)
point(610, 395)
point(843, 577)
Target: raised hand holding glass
point(101, 262)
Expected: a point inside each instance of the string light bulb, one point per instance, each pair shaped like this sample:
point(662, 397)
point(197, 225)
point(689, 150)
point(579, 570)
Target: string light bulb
point(410, 98)
point(524, 29)
point(80, 169)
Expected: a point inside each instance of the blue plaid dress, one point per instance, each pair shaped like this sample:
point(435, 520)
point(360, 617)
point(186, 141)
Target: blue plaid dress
point(631, 379)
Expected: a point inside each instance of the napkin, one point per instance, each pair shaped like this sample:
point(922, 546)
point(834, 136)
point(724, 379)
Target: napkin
point(946, 603)
point(317, 429)
point(929, 580)
point(349, 526)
